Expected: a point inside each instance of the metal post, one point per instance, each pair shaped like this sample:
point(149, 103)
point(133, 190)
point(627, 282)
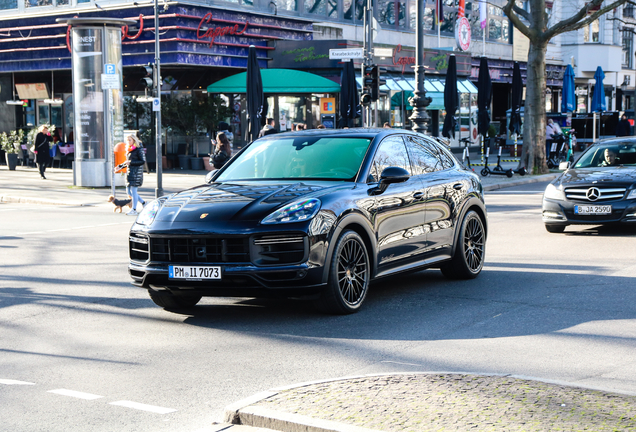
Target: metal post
point(419, 101)
point(159, 160)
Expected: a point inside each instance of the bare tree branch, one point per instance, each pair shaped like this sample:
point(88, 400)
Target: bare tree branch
point(521, 12)
point(516, 21)
point(577, 21)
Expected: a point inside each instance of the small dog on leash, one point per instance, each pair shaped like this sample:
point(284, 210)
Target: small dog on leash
point(120, 203)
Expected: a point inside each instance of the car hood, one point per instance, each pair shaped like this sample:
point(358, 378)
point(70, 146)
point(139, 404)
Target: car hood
point(226, 202)
point(613, 175)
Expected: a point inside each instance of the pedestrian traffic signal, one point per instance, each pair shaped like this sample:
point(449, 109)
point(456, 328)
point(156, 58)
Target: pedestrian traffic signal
point(149, 74)
point(369, 78)
point(377, 82)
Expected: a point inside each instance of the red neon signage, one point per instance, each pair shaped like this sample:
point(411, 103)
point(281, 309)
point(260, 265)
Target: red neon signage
point(402, 61)
point(215, 32)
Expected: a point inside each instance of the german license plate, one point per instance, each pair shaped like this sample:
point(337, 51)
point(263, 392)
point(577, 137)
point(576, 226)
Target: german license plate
point(593, 209)
point(194, 272)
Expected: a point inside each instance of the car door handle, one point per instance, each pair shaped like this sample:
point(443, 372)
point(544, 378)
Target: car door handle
point(418, 195)
point(458, 186)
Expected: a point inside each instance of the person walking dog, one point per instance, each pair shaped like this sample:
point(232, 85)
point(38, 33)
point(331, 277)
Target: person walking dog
point(135, 160)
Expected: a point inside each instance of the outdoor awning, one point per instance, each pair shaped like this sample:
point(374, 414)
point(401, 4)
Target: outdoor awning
point(278, 81)
point(437, 102)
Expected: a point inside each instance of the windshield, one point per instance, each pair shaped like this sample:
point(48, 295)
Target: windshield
point(307, 157)
point(621, 154)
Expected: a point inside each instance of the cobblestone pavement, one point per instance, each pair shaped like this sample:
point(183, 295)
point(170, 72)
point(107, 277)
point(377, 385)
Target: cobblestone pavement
point(457, 402)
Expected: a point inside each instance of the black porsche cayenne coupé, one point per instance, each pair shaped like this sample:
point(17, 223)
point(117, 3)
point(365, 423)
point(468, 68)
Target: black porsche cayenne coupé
point(599, 189)
point(315, 214)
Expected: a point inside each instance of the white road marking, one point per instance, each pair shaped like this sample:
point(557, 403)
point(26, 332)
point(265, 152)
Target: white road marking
point(75, 394)
point(143, 407)
point(14, 382)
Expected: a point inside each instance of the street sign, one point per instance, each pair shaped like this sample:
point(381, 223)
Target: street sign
point(156, 104)
point(109, 69)
point(145, 99)
point(111, 81)
point(346, 53)
point(383, 52)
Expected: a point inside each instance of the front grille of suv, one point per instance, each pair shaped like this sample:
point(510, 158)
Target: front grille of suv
point(200, 249)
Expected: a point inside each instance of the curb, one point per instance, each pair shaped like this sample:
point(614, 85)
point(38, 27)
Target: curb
point(533, 179)
point(243, 413)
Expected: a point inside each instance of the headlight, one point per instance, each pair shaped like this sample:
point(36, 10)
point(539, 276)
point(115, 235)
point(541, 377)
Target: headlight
point(552, 192)
point(632, 194)
point(295, 212)
point(148, 214)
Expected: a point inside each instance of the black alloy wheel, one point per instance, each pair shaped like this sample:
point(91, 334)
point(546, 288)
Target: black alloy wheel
point(168, 300)
point(468, 259)
point(349, 276)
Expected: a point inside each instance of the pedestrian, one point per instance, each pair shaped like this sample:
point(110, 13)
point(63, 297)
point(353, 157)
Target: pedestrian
point(135, 160)
point(41, 149)
point(268, 129)
point(222, 150)
point(623, 128)
point(293, 127)
point(386, 125)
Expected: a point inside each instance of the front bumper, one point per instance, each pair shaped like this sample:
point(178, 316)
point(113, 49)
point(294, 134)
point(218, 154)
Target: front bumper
point(562, 213)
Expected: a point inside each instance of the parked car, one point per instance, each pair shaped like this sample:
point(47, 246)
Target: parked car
point(600, 188)
point(315, 214)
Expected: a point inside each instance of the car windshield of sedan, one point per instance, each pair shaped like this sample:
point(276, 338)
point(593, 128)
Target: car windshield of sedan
point(608, 155)
point(303, 157)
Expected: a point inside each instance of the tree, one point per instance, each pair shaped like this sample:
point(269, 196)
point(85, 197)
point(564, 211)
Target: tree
point(534, 24)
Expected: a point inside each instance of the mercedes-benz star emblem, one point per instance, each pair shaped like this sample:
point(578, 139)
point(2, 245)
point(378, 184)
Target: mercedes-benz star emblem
point(593, 194)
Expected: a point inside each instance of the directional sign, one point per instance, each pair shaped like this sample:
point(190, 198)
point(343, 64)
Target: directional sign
point(111, 81)
point(347, 53)
point(109, 69)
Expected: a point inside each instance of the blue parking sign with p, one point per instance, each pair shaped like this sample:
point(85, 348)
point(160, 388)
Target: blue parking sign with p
point(109, 69)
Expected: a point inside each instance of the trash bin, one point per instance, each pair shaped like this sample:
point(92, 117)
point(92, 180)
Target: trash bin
point(120, 156)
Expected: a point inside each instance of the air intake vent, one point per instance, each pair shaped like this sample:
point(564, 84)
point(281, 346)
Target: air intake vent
point(279, 250)
point(200, 250)
point(138, 247)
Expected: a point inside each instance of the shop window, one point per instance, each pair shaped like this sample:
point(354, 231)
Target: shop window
point(8, 4)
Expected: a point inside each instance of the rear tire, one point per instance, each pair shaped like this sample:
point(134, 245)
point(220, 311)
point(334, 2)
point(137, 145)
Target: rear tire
point(468, 259)
point(349, 276)
point(556, 229)
point(168, 300)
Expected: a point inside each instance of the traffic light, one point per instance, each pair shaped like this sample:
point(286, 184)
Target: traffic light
point(148, 80)
point(377, 82)
point(369, 78)
point(365, 99)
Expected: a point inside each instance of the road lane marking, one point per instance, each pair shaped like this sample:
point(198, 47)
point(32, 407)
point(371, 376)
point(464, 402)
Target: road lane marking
point(75, 394)
point(14, 382)
point(143, 407)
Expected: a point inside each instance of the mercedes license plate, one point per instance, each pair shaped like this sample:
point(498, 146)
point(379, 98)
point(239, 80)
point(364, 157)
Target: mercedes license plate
point(593, 209)
point(194, 272)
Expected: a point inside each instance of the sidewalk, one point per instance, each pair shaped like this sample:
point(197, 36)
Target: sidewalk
point(24, 185)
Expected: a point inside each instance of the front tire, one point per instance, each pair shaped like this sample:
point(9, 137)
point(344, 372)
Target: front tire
point(168, 300)
point(349, 276)
point(468, 259)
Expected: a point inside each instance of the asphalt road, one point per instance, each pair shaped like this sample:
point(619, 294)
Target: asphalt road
point(82, 349)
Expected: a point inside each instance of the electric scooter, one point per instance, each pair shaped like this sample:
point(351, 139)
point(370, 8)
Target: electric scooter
point(466, 153)
point(485, 171)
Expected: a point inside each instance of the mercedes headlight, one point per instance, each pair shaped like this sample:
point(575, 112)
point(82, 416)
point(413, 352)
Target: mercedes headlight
point(632, 194)
point(297, 211)
point(148, 214)
point(552, 192)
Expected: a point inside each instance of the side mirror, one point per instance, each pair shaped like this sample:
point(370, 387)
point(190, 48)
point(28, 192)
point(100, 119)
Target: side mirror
point(563, 166)
point(390, 175)
point(209, 175)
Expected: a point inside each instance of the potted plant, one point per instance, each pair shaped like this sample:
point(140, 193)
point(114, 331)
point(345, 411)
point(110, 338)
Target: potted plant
point(11, 145)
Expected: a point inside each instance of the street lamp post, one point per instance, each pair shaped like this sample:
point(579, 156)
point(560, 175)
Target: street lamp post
point(159, 159)
point(419, 101)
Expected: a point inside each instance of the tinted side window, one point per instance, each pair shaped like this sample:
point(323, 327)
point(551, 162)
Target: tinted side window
point(390, 153)
point(448, 160)
point(423, 157)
